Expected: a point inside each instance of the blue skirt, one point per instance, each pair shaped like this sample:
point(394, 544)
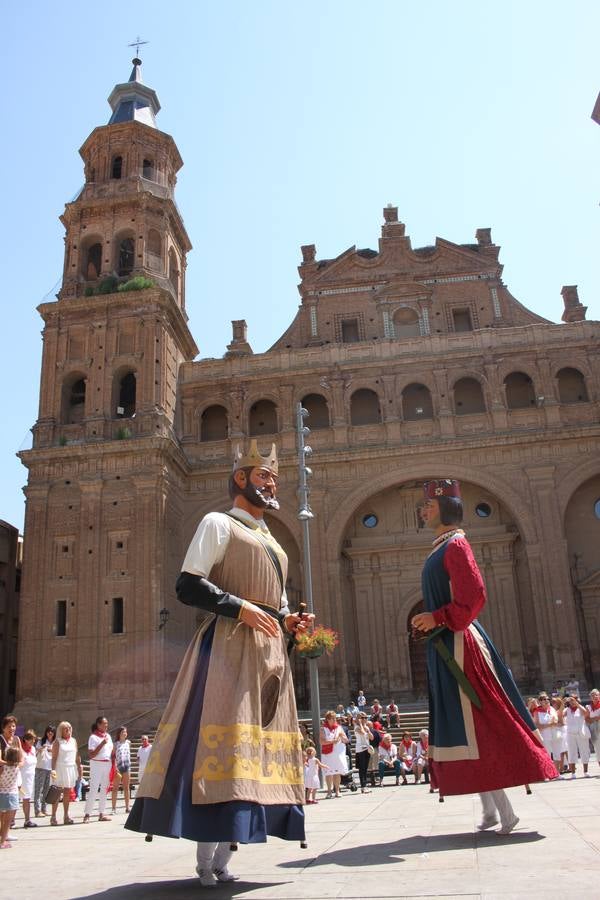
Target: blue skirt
point(174, 815)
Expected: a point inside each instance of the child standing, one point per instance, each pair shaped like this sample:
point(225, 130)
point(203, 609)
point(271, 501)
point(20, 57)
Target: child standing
point(9, 793)
point(311, 774)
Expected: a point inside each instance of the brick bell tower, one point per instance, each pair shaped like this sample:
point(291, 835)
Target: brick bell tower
point(105, 470)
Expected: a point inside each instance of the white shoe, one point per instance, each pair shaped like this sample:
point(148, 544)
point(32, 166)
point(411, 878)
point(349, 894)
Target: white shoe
point(573, 775)
point(506, 829)
point(587, 775)
point(487, 823)
point(225, 875)
point(207, 879)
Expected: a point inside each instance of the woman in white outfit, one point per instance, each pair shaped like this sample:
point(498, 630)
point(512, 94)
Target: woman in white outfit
point(100, 749)
point(43, 768)
point(333, 753)
point(66, 766)
point(558, 705)
point(546, 719)
point(578, 734)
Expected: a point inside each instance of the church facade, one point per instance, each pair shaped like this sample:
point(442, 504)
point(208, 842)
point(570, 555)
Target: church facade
point(413, 363)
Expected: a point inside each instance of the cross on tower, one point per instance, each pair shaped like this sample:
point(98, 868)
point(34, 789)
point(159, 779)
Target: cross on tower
point(137, 44)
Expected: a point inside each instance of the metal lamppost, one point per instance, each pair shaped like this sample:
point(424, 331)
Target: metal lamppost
point(305, 514)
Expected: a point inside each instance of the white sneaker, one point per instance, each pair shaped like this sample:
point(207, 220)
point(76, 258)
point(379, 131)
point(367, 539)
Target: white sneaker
point(207, 879)
point(573, 775)
point(225, 875)
point(487, 823)
point(506, 829)
point(587, 775)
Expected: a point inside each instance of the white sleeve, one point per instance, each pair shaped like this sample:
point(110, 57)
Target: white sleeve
point(208, 545)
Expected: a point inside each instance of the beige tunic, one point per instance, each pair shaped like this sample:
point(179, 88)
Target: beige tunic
point(249, 744)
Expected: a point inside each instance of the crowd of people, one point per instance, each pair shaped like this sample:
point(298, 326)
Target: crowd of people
point(352, 734)
point(358, 733)
point(45, 772)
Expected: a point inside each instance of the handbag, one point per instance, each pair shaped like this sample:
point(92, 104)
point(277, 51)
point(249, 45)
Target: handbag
point(327, 747)
point(370, 750)
point(53, 794)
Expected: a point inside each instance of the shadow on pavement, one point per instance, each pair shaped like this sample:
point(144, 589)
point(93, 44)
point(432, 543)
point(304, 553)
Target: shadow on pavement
point(180, 889)
point(417, 844)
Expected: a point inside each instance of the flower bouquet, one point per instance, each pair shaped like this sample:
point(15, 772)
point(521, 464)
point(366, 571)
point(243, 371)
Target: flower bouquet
point(312, 644)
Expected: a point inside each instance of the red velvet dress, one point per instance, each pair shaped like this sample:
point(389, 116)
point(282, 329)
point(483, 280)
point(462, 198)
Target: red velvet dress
point(473, 749)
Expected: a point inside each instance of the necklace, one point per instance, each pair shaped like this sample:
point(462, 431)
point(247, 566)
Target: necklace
point(441, 538)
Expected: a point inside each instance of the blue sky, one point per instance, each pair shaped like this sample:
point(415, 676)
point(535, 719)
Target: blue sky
point(297, 124)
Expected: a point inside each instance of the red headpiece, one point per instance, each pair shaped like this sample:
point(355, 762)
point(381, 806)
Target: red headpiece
point(441, 487)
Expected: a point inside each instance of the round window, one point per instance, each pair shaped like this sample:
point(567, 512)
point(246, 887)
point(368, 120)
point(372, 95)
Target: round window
point(597, 508)
point(370, 520)
point(483, 510)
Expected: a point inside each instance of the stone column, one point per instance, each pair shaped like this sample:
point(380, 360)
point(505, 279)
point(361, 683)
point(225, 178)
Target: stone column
point(553, 594)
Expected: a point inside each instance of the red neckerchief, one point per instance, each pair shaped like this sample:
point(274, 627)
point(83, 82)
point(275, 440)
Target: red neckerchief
point(595, 704)
point(100, 734)
point(407, 745)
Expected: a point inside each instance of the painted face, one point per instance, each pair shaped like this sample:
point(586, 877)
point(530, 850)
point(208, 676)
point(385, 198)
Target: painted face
point(261, 488)
point(430, 513)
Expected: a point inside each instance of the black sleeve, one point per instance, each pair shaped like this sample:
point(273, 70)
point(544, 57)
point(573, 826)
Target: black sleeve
point(193, 590)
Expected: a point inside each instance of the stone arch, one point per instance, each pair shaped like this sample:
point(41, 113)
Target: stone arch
point(154, 249)
point(73, 398)
point(519, 390)
point(90, 256)
point(571, 385)
point(262, 417)
point(417, 403)
point(124, 393)
point(124, 253)
point(318, 410)
point(571, 481)
point(174, 271)
point(421, 471)
point(116, 166)
point(214, 423)
point(468, 396)
point(365, 407)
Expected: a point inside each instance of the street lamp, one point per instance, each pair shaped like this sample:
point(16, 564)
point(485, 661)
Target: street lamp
point(305, 514)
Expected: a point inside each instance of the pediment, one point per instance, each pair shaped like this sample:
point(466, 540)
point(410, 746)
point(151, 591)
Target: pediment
point(354, 266)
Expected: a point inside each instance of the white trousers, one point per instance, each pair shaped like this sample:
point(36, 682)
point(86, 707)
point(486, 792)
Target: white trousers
point(213, 857)
point(496, 803)
point(577, 742)
point(99, 781)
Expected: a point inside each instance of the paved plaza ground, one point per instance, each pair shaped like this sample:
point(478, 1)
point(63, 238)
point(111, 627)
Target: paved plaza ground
point(393, 842)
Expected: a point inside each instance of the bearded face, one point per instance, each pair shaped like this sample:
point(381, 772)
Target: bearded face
point(259, 488)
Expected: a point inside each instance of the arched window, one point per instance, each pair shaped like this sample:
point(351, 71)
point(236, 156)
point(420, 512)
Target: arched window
point(116, 167)
point(174, 271)
point(154, 250)
point(364, 407)
point(126, 396)
point(126, 258)
point(148, 169)
point(74, 402)
point(263, 418)
point(406, 323)
point(318, 411)
point(571, 386)
point(519, 391)
point(92, 264)
point(416, 403)
point(468, 397)
point(213, 424)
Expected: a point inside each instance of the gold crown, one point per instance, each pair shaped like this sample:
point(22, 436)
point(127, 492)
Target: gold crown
point(252, 459)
